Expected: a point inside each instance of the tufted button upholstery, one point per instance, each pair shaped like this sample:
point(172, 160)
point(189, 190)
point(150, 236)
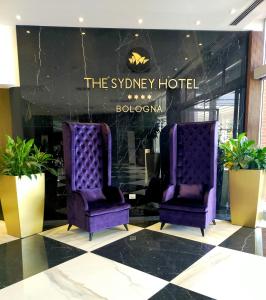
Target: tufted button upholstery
point(187, 153)
point(87, 156)
point(194, 153)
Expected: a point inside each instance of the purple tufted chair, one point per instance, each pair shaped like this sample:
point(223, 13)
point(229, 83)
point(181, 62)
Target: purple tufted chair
point(93, 204)
point(189, 171)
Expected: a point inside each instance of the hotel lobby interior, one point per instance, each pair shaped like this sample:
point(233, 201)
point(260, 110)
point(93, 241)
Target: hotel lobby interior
point(132, 149)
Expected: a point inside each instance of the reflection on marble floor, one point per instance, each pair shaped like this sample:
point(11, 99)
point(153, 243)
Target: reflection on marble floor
point(25, 257)
point(247, 240)
point(86, 277)
point(80, 238)
point(158, 254)
point(142, 263)
point(264, 240)
point(144, 222)
point(214, 234)
point(4, 237)
point(226, 274)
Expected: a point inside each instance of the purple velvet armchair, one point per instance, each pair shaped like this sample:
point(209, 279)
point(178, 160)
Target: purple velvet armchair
point(93, 204)
point(189, 171)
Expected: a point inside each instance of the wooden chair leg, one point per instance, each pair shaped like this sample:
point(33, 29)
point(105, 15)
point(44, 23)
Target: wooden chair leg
point(162, 225)
point(69, 226)
point(126, 227)
point(202, 231)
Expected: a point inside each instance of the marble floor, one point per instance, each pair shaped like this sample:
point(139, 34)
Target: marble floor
point(142, 263)
point(4, 237)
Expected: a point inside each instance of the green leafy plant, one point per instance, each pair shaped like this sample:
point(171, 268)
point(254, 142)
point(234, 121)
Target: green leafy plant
point(259, 159)
point(241, 153)
point(21, 157)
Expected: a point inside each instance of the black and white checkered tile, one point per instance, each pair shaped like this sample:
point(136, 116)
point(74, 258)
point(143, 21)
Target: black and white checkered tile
point(143, 263)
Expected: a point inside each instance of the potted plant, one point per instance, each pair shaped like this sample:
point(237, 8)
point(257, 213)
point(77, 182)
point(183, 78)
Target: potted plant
point(247, 179)
point(22, 184)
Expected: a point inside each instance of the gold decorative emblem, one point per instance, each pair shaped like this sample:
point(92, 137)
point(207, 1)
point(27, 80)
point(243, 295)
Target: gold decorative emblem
point(136, 59)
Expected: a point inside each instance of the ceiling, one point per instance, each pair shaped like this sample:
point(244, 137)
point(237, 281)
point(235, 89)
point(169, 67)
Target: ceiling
point(155, 14)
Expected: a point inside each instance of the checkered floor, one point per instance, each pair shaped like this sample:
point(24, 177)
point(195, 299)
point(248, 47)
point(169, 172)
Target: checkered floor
point(143, 263)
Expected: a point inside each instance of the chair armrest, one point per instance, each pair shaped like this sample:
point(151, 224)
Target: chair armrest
point(169, 193)
point(86, 197)
point(114, 194)
point(78, 200)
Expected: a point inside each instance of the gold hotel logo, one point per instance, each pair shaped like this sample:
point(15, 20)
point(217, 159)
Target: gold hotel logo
point(136, 59)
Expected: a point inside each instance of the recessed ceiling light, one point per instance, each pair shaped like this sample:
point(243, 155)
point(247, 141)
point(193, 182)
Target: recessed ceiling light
point(27, 31)
point(18, 17)
point(198, 22)
point(200, 44)
point(136, 35)
point(81, 20)
point(186, 58)
point(188, 35)
point(140, 21)
point(232, 11)
point(83, 33)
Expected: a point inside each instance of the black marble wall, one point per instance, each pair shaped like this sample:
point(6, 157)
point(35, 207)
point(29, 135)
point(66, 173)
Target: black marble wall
point(54, 61)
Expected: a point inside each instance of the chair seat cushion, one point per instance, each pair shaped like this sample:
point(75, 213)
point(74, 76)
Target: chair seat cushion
point(101, 207)
point(182, 204)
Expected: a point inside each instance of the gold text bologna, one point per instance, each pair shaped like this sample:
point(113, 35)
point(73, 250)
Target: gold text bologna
point(138, 108)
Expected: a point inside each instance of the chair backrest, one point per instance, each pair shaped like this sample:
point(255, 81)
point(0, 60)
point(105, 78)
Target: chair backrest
point(87, 155)
point(189, 153)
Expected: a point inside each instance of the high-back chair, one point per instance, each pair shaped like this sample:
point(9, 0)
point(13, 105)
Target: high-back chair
point(93, 204)
point(189, 171)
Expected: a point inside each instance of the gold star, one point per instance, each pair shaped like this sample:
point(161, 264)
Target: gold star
point(149, 97)
point(129, 97)
point(142, 97)
point(136, 97)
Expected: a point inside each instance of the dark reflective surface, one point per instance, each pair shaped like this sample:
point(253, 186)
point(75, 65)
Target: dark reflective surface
point(54, 61)
point(158, 254)
point(247, 240)
point(174, 292)
point(29, 256)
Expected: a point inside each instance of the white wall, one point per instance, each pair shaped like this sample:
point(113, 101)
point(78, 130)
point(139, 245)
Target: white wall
point(9, 71)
